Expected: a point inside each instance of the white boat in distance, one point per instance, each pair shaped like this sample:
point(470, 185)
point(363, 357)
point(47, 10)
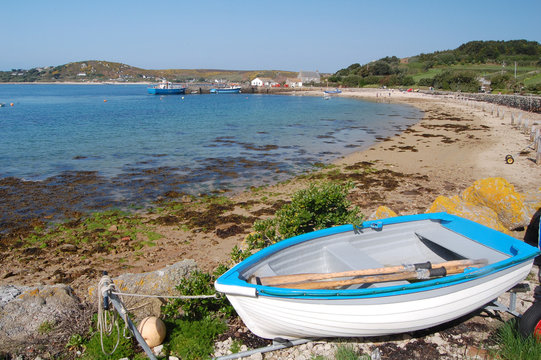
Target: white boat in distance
point(348, 281)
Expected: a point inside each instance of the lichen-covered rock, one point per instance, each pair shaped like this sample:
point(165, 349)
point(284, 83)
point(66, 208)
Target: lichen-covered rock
point(499, 195)
point(444, 204)
point(30, 313)
point(382, 212)
point(159, 282)
point(478, 213)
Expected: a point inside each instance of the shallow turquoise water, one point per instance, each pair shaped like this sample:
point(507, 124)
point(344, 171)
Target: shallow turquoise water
point(52, 129)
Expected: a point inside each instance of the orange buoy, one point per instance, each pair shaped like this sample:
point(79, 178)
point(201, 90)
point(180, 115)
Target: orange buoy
point(11, 104)
point(105, 100)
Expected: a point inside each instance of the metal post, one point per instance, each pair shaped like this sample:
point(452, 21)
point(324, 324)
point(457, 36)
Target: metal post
point(124, 314)
point(538, 156)
point(275, 346)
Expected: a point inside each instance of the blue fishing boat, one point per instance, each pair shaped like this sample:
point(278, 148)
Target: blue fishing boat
point(166, 88)
point(384, 277)
point(227, 90)
point(335, 91)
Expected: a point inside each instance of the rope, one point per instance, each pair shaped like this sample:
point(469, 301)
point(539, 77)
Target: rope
point(105, 326)
point(182, 297)
point(107, 322)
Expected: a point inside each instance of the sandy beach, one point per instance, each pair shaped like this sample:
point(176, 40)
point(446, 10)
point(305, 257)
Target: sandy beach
point(457, 141)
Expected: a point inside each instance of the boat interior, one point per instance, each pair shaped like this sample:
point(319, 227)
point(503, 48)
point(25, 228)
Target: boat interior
point(367, 248)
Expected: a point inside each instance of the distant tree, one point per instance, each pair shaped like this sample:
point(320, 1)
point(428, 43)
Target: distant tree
point(381, 68)
point(352, 81)
point(457, 81)
point(426, 82)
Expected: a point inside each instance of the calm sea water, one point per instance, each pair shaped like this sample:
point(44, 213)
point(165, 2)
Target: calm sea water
point(189, 143)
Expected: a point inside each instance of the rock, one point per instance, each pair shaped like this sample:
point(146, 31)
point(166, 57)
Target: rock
point(159, 282)
point(158, 350)
point(68, 248)
point(467, 210)
point(24, 311)
point(492, 202)
point(382, 212)
point(113, 228)
point(500, 196)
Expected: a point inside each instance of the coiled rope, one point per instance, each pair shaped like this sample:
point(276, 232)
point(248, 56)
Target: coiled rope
point(107, 322)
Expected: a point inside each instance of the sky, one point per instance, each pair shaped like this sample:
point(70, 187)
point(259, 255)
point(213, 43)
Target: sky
point(289, 35)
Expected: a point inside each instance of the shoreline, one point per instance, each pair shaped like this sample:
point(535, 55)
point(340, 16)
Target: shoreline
point(454, 144)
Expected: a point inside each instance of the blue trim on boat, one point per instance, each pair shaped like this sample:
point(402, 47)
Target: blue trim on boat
point(519, 251)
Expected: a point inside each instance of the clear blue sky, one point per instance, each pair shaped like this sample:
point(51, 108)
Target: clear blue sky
point(247, 35)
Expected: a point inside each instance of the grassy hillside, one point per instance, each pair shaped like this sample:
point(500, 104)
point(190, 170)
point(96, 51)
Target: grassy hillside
point(95, 70)
point(466, 68)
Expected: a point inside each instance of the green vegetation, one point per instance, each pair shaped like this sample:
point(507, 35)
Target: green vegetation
point(45, 327)
point(199, 283)
point(457, 70)
point(512, 346)
point(100, 231)
point(193, 339)
point(315, 208)
point(346, 352)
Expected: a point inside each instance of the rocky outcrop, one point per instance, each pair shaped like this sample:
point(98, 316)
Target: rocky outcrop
point(159, 282)
point(45, 316)
point(32, 314)
point(493, 202)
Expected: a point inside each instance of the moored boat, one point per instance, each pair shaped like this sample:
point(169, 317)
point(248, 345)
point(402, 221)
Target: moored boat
point(348, 281)
point(166, 88)
point(335, 91)
point(227, 90)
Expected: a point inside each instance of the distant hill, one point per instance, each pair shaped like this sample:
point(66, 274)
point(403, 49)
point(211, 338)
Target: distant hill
point(470, 67)
point(103, 71)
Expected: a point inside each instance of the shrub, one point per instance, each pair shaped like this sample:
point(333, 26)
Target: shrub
point(193, 339)
point(351, 80)
point(315, 208)
point(457, 81)
point(426, 82)
point(199, 283)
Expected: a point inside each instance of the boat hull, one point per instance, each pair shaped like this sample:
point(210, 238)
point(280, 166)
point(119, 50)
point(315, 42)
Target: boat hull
point(379, 308)
point(272, 317)
point(154, 91)
point(225, 91)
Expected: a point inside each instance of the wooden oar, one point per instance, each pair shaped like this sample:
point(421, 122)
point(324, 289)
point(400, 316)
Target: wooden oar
point(422, 274)
point(294, 278)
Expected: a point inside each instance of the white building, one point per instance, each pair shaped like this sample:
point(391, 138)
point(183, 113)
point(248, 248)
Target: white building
point(294, 83)
point(263, 82)
point(257, 82)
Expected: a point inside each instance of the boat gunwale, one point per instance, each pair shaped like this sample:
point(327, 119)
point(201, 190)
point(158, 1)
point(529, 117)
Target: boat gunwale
point(518, 251)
